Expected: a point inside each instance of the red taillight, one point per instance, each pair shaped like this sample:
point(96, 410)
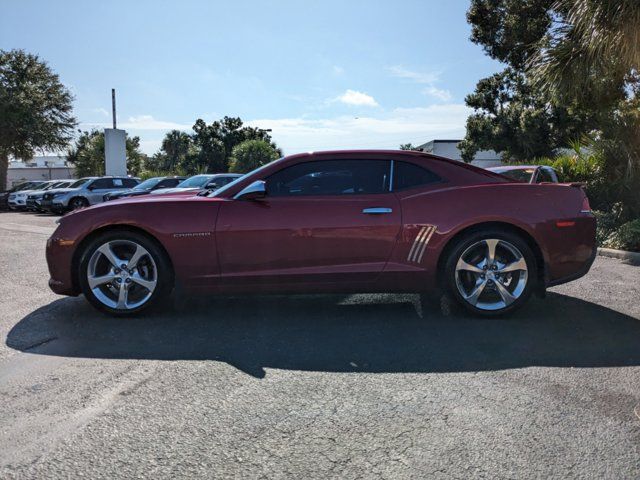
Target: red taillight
point(586, 208)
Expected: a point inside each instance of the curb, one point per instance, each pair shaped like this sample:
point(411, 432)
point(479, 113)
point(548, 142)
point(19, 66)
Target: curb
point(633, 257)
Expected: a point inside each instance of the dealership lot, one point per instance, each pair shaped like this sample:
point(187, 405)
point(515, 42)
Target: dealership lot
point(316, 386)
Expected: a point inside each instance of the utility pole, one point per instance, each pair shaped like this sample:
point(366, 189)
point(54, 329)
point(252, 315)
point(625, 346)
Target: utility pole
point(113, 106)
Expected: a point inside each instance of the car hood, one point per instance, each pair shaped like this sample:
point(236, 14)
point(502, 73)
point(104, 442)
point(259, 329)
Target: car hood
point(162, 191)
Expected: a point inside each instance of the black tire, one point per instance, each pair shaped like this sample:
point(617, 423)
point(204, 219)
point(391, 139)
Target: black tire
point(163, 270)
point(468, 241)
point(78, 202)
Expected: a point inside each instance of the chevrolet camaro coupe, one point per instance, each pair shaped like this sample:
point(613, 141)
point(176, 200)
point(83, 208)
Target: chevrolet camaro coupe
point(342, 221)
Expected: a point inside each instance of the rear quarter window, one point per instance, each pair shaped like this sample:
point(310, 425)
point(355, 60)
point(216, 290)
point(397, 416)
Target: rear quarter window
point(409, 175)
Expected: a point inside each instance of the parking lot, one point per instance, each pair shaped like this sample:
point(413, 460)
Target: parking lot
point(316, 386)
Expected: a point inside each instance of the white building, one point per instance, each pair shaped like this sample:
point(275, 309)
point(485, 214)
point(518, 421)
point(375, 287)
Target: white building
point(49, 167)
point(449, 149)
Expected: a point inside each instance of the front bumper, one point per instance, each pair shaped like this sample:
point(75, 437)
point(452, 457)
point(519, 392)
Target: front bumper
point(59, 256)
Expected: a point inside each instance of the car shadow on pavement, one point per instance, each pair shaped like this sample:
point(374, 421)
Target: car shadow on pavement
point(365, 333)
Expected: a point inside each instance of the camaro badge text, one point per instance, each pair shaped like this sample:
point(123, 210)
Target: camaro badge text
point(192, 234)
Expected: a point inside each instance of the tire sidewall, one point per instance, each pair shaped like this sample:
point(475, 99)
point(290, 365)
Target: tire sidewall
point(470, 239)
point(164, 272)
point(82, 203)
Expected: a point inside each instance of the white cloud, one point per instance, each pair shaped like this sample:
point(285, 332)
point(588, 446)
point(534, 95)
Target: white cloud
point(444, 95)
point(337, 70)
point(402, 125)
point(142, 122)
point(424, 78)
point(101, 111)
point(353, 97)
point(418, 77)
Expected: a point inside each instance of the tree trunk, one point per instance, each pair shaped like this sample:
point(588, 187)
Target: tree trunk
point(4, 166)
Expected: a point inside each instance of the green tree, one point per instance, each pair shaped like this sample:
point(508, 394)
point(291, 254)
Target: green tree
point(215, 142)
point(87, 154)
point(407, 146)
point(250, 155)
point(35, 109)
point(175, 148)
point(591, 56)
point(510, 115)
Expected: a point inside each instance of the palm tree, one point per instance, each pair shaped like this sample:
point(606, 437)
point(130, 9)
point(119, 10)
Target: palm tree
point(175, 146)
point(589, 40)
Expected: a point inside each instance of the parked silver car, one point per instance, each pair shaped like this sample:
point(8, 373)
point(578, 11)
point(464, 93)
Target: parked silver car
point(34, 198)
point(84, 192)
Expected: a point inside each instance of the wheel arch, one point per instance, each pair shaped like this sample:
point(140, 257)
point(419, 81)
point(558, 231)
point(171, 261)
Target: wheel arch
point(502, 225)
point(77, 254)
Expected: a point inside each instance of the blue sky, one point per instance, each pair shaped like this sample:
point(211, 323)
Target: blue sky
point(321, 74)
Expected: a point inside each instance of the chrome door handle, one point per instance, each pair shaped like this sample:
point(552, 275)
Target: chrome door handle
point(376, 210)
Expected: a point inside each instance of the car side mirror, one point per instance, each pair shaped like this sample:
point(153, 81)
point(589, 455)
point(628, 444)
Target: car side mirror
point(255, 191)
point(91, 187)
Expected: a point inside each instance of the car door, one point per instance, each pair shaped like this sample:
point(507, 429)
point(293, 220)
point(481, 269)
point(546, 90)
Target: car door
point(331, 221)
point(96, 190)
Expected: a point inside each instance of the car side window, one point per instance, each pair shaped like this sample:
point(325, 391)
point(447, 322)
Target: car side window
point(168, 183)
point(544, 175)
point(101, 183)
point(331, 177)
point(408, 175)
point(127, 182)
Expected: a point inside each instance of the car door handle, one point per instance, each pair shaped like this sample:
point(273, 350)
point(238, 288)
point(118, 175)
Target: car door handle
point(376, 210)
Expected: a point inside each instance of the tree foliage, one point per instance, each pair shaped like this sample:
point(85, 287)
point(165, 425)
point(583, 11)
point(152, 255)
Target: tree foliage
point(35, 108)
point(88, 157)
point(250, 155)
point(209, 148)
point(511, 115)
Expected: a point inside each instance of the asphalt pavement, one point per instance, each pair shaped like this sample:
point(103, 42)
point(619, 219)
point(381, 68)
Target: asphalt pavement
point(330, 386)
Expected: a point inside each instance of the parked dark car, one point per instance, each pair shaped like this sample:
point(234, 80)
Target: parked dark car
point(355, 221)
point(145, 187)
point(528, 173)
point(4, 196)
point(212, 181)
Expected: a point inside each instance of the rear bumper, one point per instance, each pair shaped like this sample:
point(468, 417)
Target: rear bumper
point(581, 272)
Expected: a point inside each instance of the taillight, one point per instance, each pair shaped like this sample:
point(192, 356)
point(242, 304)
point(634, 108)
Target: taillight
point(586, 208)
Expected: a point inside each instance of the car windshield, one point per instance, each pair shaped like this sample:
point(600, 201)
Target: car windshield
point(42, 186)
point(239, 179)
point(195, 182)
point(79, 183)
point(519, 174)
point(24, 186)
point(148, 184)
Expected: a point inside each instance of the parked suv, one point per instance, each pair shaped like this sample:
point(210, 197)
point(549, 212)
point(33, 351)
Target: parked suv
point(4, 196)
point(34, 198)
point(84, 192)
point(18, 200)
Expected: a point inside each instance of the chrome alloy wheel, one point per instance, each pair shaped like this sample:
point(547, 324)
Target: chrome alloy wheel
point(122, 274)
point(491, 274)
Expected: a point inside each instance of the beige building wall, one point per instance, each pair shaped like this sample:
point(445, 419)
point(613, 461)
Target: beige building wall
point(22, 174)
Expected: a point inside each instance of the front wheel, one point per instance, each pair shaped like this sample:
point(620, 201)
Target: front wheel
point(491, 273)
point(123, 273)
point(78, 202)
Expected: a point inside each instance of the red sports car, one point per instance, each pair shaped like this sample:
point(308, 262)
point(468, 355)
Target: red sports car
point(342, 221)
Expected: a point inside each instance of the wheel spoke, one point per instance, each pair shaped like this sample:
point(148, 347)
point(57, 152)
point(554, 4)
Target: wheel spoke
point(148, 284)
point(491, 250)
point(123, 296)
point(506, 296)
point(473, 297)
point(107, 252)
point(137, 255)
point(462, 265)
point(95, 281)
point(520, 264)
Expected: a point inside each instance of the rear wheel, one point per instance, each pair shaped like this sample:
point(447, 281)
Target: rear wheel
point(491, 272)
point(122, 273)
